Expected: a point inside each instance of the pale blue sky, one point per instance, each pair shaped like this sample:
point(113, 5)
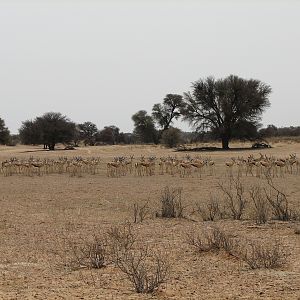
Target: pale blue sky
point(104, 60)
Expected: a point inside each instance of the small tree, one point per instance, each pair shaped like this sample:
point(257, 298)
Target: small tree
point(165, 113)
point(49, 129)
point(144, 127)
point(88, 131)
point(109, 135)
point(4, 133)
point(30, 133)
point(271, 130)
point(171, 137)
point(221, 105)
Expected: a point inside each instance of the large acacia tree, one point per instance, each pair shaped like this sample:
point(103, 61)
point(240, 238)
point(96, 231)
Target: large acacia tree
point(49, 129)
point(221, 105)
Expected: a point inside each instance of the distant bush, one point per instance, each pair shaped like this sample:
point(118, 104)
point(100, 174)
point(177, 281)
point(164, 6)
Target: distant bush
point(171, 137)
point(272, 131)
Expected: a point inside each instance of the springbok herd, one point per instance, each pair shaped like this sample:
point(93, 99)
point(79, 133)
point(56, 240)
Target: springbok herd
point(184, 167)
point(75, 166)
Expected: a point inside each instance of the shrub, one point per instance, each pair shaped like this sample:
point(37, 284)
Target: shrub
point(235, 197)
point(171, 137)
point(171, 203)
point(278, 202)
point(140, 212)
point(258, 255)
point(92, 254)
point(122, 238)
point(210, 210)
point(145, 269)
point(260, 205)
point(213, 240)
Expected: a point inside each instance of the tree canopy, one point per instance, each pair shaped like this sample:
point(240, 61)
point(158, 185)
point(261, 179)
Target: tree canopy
point(4, 133)
point(88, 132)
point(165, 113)
point(49, 129)
point(144, 127)
point(109, 135)
point(221, 105)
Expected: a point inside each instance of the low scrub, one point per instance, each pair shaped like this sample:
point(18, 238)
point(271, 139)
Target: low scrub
point(260, 205)
point(256, 255)
point(146, 269)
point(140, 212)
point(171, 203)
point(90, 254)
point(279, 203)
point(121, 238)
point(234, 196)
point(212, 240)
point(209, 211)
point(259, 255)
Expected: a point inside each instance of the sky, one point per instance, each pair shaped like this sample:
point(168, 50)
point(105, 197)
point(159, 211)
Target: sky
point(102, 61)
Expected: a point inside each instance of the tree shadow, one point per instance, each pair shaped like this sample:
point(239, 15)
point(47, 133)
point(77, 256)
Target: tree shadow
point(217, 149)
point(45, 150)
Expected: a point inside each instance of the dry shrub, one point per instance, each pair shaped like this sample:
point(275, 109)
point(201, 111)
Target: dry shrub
point(213, 240)
point(90, 254)
point(121, 238)
point(140, 212)
point(258, 255)
point(279, 203)
point(209, 211)
point(219, 240)
point(260, 205)
point(198, 242)
point(171, 203)
point(145, 269)
point(235, 199)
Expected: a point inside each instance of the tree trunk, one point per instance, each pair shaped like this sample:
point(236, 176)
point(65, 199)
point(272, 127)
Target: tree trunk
point(225, 142)
point(51, 146)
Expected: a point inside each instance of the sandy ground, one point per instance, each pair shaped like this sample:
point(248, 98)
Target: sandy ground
point(37, 213)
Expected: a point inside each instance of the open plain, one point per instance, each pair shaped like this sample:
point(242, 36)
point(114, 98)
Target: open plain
point(42, 213)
